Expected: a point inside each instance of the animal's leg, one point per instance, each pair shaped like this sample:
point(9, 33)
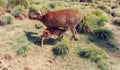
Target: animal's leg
point(76, 31)
point(73, 31)
point(60, 37)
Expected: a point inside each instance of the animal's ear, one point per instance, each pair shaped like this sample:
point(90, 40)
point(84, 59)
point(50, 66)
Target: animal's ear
point(39, 12)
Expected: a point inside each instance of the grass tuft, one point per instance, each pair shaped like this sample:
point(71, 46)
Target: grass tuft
point(6, 20)
point(96, 55)
point(102, 34)
point(22, 50)
point(62, 48)
point(116, 21)
point(17, 11)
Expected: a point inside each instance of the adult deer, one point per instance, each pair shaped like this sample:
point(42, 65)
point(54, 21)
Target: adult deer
point(60, 19)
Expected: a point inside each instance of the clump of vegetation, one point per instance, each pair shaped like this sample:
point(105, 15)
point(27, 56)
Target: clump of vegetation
point(115, 13)
point(17, 11)
point(6, 20)
point(22, 50)
point(2, 3)
point(96, 55)
point(38, 25)
point(101, 18)
point(83, 28)
point(52, 5)
point(93, 53)
point(104, 7)
point(34, 8)
point(95, 19)
point(13, 3)
point(102, 34)
point(116, 21)
point(62, 48)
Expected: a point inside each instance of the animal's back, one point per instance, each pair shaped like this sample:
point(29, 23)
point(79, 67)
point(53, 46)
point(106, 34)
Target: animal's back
point(61, 18)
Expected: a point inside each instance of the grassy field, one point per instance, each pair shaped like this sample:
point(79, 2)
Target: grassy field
point(20, 45)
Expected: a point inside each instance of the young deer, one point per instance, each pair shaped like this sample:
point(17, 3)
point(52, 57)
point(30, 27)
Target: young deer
point(53, 31)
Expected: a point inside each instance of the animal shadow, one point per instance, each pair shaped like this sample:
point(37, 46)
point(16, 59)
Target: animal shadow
point(50, 41)
point(31, 36)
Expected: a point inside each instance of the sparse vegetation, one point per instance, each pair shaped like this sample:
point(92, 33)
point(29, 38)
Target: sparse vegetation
point(61, 48)
point(85, 52)
point(94, 19)
point(17, 11)
point(96, 55)
point(22, 50)
point(104, 7)
point(34, 8)
point(38, 25)
point(13, 3)
point(102, 34)
point(6, 20)
point(83, 28)
point(116, 21)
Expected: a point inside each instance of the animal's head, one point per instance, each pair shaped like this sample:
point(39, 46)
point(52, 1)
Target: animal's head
point(35, 15)
point(46, 34)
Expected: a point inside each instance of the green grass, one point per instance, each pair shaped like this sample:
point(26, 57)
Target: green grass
point(102, 34)
point(17, 11)
point(23, 40)
point(22, 50)
point(61, 48)
point(6, 20)
point(96, 55)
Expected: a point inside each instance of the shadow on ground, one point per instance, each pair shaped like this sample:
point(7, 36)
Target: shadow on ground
point(104, 43)
point(32, 36)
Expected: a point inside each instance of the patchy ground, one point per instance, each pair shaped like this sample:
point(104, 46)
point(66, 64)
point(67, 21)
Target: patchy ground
point(23, 33)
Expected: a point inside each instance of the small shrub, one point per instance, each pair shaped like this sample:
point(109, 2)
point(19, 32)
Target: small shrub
point(93, 53)
point(24, 3)
point(83, 28)
point(97, 12)
point(6, 20)
point(94, 19)
point(96, 55)
point(102, 65)
point(17, 11)
point(52, 5)
point(116, 21)
point(22, 50)
point(34, 8)
point(61, 48)
point(101, 21)
point(38, 25)
point(102, 34)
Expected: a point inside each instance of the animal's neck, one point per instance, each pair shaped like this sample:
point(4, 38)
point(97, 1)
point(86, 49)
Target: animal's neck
point(39, 17)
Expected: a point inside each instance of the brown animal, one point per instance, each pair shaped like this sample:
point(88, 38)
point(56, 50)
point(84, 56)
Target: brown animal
point(53, 31)
point(59, 19)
